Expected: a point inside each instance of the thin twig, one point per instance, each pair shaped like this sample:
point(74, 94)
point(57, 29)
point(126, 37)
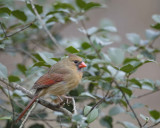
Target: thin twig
point(149, 93)
point(29, 112)
point(144, 124)
point(60, 121)
point(27, 53)
point(89, 38)
point(98, 103)
point(27, 26)
point(11, 101)
point(154, 125)
point(44, 26)
point(135, 115)
point(41, 101)
point(3, 29)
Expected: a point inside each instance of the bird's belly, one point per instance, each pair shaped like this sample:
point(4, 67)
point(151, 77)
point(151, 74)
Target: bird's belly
point(58, 89)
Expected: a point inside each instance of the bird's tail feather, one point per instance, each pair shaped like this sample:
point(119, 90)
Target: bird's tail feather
point(27, 107)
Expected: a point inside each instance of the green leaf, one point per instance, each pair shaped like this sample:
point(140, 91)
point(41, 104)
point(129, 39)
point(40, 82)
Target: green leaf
point(110, 28)
point(134, 38)
point(124, 103)
point(47, 57)
point(106, 121)
point(156, 18)
point(116, 110)
point(155, 114)
point(148, 54)
point(127, 124)
point(92, 30)
point(22, 68)
point(13, 78)
point(93, 114)
point(39, 8)
point(127, 68)
point(41, 63)
point(156, 26)
point(81, 3)
point(59, 5)
point(71, 49)
point(19, 15)
point(85, 45)
point(129, 60)
point(136, 82)
point(151, 35)
point(87, 94)
point(6, 118)
point(127, 91)
point(5, 10)
point(52, 19)
point(79, 119)
point(116, 55)
point(36, 125)
point(3, 71)
point(91, 5)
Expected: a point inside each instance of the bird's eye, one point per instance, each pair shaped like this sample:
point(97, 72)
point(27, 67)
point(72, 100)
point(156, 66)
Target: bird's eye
point(75, 61)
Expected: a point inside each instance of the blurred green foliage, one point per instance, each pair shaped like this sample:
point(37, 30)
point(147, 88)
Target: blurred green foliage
point(104, 69)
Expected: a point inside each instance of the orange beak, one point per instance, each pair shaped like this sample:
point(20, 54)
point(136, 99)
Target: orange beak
point(82, 65)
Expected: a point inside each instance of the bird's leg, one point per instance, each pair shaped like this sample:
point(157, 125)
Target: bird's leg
point(67, 98)
point(73, 102)
point(60, 98)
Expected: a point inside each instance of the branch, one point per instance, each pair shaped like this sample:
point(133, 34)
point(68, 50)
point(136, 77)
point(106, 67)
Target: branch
point(41, 101)
point(27, 26)
point(12, 105)
point(98, 103)
point(43, 25)
point(89, 38)
point(135, 115)
point(29, 112)
point(154, 125)
point(149, 93)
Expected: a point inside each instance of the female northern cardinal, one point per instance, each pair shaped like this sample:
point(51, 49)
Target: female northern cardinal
point(60, 79)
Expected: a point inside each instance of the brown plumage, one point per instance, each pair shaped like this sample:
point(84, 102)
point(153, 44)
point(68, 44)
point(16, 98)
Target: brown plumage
point(60, 79)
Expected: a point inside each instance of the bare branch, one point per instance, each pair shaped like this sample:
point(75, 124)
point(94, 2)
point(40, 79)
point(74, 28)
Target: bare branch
point(41, 101)
point(127, 101)
point(3, 29)
point(154, 125)
point(11, 102)
point(29, 112)
point(44, 26)
point(27, 26)
point(98, 103)
point(89, 38)
point(149, 93)
point(27, 53)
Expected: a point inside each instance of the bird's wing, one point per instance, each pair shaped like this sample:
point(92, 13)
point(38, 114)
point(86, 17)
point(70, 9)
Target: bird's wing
point(47, 80)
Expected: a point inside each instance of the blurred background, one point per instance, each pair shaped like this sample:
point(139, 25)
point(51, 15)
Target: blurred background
point(129, 16)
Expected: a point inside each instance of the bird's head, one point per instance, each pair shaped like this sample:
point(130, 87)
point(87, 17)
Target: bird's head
point(76, 61)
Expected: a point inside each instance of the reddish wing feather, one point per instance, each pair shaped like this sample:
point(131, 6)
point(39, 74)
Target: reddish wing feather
point(48, 80)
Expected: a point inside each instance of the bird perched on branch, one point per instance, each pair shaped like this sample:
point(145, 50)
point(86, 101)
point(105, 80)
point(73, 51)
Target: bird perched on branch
point(62, 77)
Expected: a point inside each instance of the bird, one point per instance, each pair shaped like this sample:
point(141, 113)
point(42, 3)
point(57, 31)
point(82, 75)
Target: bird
point(62, 77)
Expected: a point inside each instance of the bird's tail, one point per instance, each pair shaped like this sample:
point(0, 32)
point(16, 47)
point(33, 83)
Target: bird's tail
point(27, 107)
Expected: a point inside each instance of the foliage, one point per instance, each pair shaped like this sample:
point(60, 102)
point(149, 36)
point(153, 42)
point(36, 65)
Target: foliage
point(107, 72)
